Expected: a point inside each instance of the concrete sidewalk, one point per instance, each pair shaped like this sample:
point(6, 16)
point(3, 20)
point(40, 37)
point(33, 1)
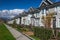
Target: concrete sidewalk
point(17, 34)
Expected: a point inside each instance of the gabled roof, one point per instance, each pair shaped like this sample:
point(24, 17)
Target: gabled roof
point(50, 6)
point(45, 3)
point(33, 10)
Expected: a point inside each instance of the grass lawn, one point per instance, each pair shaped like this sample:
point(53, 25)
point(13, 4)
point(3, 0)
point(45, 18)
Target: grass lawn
point(5, 34)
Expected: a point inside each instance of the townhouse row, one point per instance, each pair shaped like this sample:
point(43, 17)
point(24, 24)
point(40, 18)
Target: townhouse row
point(34, 15)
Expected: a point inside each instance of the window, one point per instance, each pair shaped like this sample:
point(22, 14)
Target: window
point(59, 22)
point(58, 9)
point(42, 11)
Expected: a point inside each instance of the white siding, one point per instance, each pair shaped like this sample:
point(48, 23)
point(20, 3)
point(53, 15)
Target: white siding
point(27, 20)
point(52, 10)
point(18, 21)
point(41, 24)
point(58, 18)
point(10, 22)
point(44, 12)
point(58, 23)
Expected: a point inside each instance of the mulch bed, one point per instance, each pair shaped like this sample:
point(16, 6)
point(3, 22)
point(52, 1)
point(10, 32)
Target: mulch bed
point(28, 33)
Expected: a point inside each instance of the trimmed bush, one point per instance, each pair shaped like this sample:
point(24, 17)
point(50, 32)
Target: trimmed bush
point(42, 33)
point(58, 34)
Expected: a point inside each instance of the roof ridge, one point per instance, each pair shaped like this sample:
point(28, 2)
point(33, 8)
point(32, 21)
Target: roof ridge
point(47, 2)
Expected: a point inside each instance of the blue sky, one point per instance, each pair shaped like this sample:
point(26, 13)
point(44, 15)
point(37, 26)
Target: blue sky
point(19, 4)
point(16, 5)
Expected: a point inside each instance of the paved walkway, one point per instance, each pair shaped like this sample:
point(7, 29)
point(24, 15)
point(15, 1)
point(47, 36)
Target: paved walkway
point(17, 34)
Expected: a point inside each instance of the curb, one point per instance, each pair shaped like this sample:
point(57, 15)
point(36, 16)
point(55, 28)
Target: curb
point(28, 37)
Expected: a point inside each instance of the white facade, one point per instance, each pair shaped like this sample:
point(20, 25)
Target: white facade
point(58, 18)
point(17, 21)
point(55, 10)
point(38, 22)
point(26, 20)
point(10, 22)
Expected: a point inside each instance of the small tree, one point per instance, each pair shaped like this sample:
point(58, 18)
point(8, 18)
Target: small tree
point(47, 20)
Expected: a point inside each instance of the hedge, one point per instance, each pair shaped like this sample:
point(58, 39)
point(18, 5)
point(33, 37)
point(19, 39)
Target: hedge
point(42, 33)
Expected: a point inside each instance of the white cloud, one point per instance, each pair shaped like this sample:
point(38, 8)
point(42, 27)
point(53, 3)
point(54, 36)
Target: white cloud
point(0, 10)
point(5, 11)
point(16, 11)
point(11, 13)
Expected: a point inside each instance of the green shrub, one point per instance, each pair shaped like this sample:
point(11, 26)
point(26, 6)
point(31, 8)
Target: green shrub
point(24, 29)
point(42, 33)
point(58, 34)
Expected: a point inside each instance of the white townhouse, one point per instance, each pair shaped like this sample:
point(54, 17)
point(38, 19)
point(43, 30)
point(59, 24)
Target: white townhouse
point(37, 13)
point(34, 15)
point(44, 9)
